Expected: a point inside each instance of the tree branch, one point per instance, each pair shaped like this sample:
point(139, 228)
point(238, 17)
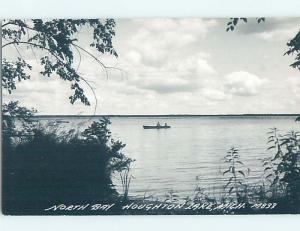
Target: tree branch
point(87, 82)
point(89, 85)
point(34, 45)
point(94, 57)
point(25, 26)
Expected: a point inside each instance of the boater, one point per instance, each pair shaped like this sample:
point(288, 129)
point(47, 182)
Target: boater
point(158, 124)
point(166, 125)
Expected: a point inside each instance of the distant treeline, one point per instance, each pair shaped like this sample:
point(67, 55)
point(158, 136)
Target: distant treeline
point(171, 115)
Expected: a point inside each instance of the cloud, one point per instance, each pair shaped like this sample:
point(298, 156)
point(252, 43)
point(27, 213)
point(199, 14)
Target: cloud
point(157, 57)
point(158, 39)
point(273, 29)
point(178, 74)
point(214, 94)
point(162, 82)
point(284, 34)
point(195, 64)
point(242, 83)
point(293, 83)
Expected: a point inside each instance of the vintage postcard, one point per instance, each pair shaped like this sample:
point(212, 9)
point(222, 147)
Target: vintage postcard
point(156, 116)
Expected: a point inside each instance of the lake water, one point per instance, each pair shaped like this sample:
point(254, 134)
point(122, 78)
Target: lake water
point(192, 152)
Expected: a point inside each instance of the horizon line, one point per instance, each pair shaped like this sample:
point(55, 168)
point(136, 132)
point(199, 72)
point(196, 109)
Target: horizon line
point(170, 115)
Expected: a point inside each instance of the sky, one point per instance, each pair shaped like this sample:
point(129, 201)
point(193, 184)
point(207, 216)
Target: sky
point(177, 66)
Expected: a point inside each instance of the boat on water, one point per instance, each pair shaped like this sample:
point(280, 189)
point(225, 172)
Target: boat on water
point(62, 121)
point(156, 127)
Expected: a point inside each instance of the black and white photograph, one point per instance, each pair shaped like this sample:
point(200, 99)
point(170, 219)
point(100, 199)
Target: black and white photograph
point(151, 116)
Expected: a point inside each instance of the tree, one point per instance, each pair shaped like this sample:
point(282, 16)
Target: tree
point(57, 39)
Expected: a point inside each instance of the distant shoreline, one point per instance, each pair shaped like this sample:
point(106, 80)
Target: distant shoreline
point(171, 115)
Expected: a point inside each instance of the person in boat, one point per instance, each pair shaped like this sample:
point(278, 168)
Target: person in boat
point(158, 124)
point(166, 125)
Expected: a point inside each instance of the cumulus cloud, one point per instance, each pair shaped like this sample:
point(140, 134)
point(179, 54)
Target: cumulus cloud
point(195, 64)
point(157, 39)
point(156, 59)
point(176, 75)
point(243, 83)
point(284, 34)
point(273, 29)
point(163, 83)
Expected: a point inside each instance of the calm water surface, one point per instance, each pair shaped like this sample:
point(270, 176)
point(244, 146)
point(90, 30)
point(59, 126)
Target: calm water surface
point(192, 152)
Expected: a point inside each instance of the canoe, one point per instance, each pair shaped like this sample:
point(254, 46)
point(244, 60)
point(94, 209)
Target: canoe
point(155, 127)
point(62, 121)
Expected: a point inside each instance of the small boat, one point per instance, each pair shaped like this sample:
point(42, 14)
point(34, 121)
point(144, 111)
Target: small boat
point(62, 121)
point(155, 127)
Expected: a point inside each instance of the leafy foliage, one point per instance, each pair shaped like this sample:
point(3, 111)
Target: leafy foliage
point(235, 172)
point(49, 166)
point(294, 48)
point(14, 71)
point(12, 113)
point(287, 162)
point(234, 21)
point(98, 133)
point(58, 40)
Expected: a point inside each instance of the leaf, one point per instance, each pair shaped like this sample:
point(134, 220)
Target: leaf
point(235, 21)
point(241, 172)
point(268, 176)
point(271, 147)
point(230, 190)
point(239, 162)
point(265, 163)
point(267, 168)
point(227, 171)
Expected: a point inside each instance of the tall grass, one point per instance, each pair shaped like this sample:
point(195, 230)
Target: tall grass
point(125, 177)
